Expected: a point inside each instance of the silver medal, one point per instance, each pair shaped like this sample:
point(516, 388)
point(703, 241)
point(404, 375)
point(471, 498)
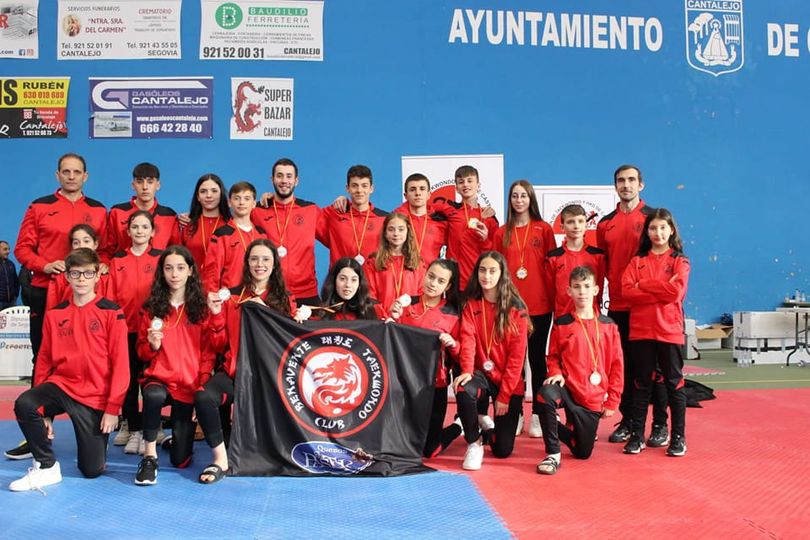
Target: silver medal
point(489, 365)
point(522, 273)
point(157, 324)
point(224, 294)
point(595, 378)
point(282, 251)
point(360, 259)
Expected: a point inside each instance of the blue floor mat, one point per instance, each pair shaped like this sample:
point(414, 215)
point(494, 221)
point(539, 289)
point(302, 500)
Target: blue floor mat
point(423, 505)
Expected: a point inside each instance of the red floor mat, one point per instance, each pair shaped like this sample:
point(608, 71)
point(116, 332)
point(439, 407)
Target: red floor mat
point(746, 475)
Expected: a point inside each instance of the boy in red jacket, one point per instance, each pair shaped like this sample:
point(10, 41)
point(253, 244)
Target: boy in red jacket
point(573, 252)
point(82, 370)
point(585, 368)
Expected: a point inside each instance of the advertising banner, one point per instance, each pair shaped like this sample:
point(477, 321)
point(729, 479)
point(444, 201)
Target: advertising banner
point(262, 109)
point(118, 30)
point(33, 107)
point(19, 33)
point(261, 30)
point(151, 108)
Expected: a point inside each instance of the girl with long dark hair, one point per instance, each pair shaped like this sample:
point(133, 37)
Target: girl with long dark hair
point(174, 343)
point(655, 283)
point(494, 334)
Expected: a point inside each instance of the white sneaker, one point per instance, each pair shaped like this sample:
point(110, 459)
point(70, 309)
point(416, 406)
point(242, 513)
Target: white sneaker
point(134, 442)
point(519, 428)
point(485, 422)
point(457, 421)
point(122, 437)
point(535, 430)
point(474, 457)
point(37, 478)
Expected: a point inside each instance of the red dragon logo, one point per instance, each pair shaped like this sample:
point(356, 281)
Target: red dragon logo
point(246, 105)
point(332, 383)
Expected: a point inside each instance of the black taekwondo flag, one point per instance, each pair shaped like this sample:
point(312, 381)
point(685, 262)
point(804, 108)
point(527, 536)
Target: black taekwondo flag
point(330, 398)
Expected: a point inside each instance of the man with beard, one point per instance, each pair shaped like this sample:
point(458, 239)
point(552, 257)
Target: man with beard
point(291, 224)
point(618, 234)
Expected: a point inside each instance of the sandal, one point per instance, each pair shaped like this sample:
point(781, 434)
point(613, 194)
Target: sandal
point(548, 466)
point(213, 470)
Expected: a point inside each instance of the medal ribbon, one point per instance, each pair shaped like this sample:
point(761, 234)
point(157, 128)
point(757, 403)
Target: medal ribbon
point(179, 316)
point(522, 249)
point(206, 237)
point(488, 339)
point(282, 232)
point(242, 239)
point(398, 279)
point(424, 230)
point(467, 215)
point(354, 229)
point(594, 354)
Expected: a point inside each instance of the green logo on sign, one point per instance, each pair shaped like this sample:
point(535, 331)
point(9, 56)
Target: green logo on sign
point(228, 16)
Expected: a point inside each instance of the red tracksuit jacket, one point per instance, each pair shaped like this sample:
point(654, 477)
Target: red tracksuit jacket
point(336, 232)
point(618, 234)
point(226, 255)
point(131, 279)
point(198, 241)
point(534, 240)
point(43, 236)
point(185, 359)
point(84, 352)
point(655, 296)
point(507, 354)
point(569, 355)
point(443, 319)
point(167, 230)
point(463, 243)
point(293, 226)
point(382, 284)
point(561, 262)
point(430, 231)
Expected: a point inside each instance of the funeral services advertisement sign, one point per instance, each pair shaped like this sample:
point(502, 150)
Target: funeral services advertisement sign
point(151, 108)
point(261, 30)
point(33, 107)
point(19, 36)
point(262, 109)
point(118, 30)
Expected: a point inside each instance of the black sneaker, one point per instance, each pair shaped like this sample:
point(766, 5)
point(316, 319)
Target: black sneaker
point(659, 437)
point(23, 451)
point(635, 445)
point(677, 447)
point(622, 433)
point(147, 472)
